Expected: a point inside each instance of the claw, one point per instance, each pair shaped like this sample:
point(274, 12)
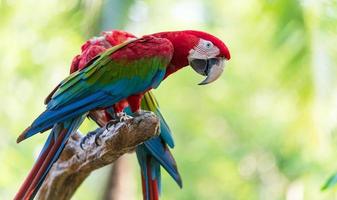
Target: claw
point(97, 136)
point(122, 116)
point(110, 123)
point(88, 136)
point(118, 117)
point(125, 118)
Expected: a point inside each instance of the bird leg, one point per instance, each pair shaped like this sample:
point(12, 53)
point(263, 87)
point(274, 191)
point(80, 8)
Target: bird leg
point(116, 118)
point(139, 113)
point(133, 101)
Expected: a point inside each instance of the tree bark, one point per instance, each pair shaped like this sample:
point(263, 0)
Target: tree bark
point(75, 163)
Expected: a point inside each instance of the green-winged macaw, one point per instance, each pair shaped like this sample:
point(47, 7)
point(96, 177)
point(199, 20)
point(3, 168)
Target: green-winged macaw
point(152, 153)
point(120, 74)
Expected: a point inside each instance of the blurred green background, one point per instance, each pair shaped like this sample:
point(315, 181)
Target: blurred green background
point(266, 130)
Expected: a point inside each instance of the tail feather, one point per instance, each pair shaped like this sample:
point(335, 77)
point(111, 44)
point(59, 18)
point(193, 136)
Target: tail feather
point(153, 172)
point(158, 146)
point(150, 103)
point(45, 167)
point(48, 156)
point(32, 174)
point(162, 154)
point(143, 186)
point(150, 173)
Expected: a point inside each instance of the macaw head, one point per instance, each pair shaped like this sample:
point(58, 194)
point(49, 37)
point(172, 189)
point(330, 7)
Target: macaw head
point(207, 56)
point(205, 53)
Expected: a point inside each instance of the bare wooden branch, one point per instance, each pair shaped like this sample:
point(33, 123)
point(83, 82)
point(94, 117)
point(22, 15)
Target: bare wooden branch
point(75, 163)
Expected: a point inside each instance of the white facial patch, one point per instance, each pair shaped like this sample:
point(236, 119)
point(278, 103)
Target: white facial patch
point(204, 50)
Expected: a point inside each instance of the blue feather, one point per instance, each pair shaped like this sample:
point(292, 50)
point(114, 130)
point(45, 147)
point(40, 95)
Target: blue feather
point(158, 78)
point(70, 126)
point(103, 98)
point(156, 149)
point(165, 131)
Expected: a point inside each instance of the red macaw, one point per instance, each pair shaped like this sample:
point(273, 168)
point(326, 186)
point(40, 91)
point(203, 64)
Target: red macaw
point(153, 153)
point(123, 73)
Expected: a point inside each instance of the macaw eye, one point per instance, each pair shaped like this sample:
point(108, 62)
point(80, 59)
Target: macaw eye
point(209, 44)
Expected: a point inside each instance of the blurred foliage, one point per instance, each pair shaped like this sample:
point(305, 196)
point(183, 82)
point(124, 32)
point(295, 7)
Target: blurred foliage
point(265, 130)
point(332, 181)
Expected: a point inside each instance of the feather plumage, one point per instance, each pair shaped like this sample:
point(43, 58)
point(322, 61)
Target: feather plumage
point(118, 73)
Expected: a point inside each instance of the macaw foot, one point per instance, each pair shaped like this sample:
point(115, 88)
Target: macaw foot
point(96, 133)
point(118, 117)
point(139, 113)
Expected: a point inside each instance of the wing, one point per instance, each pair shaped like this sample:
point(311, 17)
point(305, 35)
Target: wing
point(129, 68)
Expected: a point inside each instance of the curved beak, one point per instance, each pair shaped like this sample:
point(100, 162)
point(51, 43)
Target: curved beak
point(212, 68)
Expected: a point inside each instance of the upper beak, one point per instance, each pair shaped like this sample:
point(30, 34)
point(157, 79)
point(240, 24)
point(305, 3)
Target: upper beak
point(212, 68)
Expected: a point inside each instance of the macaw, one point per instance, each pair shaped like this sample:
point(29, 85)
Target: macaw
point(122, 73)
point(153, 153)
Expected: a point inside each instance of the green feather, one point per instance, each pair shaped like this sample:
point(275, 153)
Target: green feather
point(105, 72)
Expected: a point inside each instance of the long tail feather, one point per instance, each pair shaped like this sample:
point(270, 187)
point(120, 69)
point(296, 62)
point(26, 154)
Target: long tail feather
point(162, 154)
point(25, 185)
point(153, 170)
point(48, 156)
point(158, 146)
point(150, 103)
point(150, 173)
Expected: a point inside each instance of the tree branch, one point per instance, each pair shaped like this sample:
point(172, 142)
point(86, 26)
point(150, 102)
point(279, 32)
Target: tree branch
point(75, 163)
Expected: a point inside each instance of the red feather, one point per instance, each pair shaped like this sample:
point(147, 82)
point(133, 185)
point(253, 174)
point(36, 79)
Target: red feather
point(32, 174)
point(151, 184)
point(29, 186)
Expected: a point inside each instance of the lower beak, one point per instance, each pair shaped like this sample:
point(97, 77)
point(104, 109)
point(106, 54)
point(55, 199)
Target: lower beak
point(212, 68)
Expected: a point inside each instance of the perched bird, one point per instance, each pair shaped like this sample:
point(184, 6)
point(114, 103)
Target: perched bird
point(153, 153)
point(122, 73)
